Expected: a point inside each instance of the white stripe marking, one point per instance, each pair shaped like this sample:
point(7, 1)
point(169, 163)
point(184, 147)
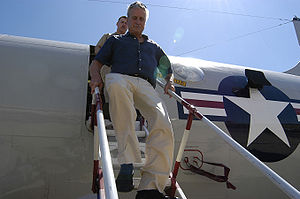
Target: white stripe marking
point(296, 105)
point(200, 96)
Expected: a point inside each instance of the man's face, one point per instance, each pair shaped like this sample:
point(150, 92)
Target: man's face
point(122, 26)
point(136, 21)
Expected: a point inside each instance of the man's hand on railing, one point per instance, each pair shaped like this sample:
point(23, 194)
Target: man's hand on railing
point(93, 85)
point(169, 85)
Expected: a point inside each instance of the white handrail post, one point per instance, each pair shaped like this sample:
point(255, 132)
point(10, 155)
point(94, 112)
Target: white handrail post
point(108, 174)
point(98, 185)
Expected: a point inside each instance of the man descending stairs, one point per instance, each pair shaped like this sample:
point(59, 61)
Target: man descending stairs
point(135, 60)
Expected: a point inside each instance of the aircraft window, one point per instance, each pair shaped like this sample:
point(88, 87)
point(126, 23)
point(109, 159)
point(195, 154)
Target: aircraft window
point(188, 73)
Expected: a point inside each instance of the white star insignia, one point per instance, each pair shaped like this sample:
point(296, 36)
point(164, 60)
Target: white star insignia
point(263, 114)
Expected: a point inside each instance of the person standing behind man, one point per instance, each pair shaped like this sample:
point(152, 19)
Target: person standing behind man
point(135, 59)
point(121, 29)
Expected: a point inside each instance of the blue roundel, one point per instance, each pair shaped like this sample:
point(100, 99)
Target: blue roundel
point(267, 146)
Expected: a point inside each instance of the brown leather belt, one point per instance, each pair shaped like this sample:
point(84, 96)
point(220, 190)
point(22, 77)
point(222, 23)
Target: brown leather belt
point(143, 77)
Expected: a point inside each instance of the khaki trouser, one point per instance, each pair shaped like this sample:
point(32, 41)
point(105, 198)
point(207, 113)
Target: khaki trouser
point(125, 93)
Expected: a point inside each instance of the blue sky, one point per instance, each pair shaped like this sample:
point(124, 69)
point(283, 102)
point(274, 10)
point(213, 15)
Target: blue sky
point(221, 30)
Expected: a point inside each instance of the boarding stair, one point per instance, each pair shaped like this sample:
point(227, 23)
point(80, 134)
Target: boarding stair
point(105, 152)
point(106, 165)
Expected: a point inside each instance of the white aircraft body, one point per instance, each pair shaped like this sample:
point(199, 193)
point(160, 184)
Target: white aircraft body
point(46, 151)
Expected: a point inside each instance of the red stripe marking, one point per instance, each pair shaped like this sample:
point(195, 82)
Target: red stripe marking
point(297, 111)
point(204, 103)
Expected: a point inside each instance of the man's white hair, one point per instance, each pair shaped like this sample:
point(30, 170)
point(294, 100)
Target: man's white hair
point(138, 4)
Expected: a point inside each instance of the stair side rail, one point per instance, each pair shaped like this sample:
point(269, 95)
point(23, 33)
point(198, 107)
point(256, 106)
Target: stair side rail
point(104, 152)
point(287, 188)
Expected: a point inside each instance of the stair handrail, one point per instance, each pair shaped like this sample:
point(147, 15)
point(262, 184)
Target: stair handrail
point(287, 188)
point(104, 152)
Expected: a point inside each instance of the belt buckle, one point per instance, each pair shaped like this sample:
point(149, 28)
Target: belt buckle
point(140, 76)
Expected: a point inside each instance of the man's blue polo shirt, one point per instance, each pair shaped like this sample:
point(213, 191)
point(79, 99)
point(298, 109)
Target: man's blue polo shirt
point(126, 55)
